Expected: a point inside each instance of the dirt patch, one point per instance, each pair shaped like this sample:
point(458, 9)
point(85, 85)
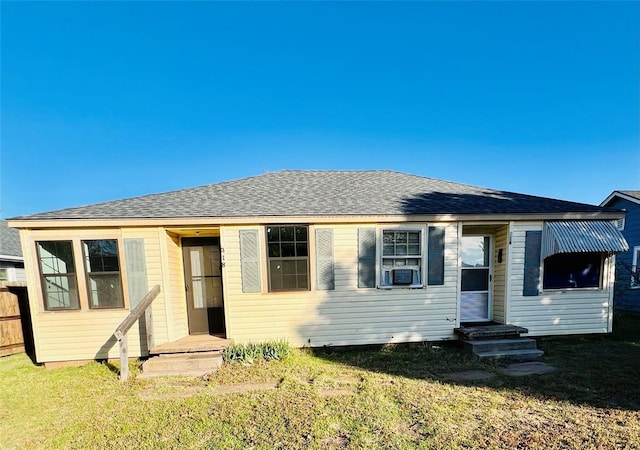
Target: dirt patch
point(527, 368)
point(332, 392)
point(245, 387)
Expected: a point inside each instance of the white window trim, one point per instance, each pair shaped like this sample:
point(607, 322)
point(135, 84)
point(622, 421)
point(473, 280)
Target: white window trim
point(634, 266)
point(423, 258)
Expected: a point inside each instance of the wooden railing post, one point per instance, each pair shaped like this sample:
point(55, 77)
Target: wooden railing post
point(122, 329)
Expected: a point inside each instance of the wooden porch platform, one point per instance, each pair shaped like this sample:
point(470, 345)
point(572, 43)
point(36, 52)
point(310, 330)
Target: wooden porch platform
point(192, 344)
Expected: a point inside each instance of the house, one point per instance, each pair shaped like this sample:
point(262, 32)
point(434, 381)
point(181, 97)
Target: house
point(11, 261)
point(321, 258)
point(627, 285)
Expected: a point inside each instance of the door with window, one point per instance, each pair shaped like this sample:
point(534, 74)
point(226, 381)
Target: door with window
point(203, 284)
point(475, 273)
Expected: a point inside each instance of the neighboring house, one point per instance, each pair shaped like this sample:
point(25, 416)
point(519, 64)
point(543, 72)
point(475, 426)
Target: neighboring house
point(11, 262)
point(627, 288)
point(319, 258)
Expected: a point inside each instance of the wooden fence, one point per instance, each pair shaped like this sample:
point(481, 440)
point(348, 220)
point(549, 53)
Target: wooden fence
point(11, 337)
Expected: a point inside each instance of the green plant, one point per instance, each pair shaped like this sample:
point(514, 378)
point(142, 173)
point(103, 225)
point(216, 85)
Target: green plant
point(251, 352)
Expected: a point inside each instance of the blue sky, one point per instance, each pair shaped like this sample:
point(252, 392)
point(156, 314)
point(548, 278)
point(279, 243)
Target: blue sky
point(107, 100)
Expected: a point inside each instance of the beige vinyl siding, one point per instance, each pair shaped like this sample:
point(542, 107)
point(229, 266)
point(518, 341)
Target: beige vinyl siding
point(500, 274)
point(344, 316)
point(177, 293)
point(579, 311)
point(88, 334)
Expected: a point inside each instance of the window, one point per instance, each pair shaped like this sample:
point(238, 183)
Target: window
point(572, 270)
point(635, 269)
point(402, 258)
point(102, 267)
point(58, 275)
point(4, 274)
point(288, 258)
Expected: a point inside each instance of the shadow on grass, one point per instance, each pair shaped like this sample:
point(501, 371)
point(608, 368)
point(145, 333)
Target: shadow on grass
point(599, 371)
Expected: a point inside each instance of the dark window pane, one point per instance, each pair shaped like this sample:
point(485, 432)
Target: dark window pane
point(400, 238)
point(388, 250)
point(288, 250)
point(401, 250)
point(287, 247)
point(301, 233)
point(301, 249)
point(572, 270)
point(286, 234)
point(414, 249)
point(273, 234)
point(104, 287)
point(274, 250)
point(303, 282)
point(475, 279)
point(414, 237)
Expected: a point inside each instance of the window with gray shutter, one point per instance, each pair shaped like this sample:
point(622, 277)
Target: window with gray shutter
point(136, 267)
point(435, 256)
point(324, 259)
point(532, 246)
point(366, 257)
point(250, 261)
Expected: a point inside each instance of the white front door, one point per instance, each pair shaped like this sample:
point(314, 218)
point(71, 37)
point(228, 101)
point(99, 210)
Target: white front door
point(475, 273)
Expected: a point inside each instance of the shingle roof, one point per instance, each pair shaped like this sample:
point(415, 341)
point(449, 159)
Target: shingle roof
point(321, 193)
point(634, 194)
point(9, 241)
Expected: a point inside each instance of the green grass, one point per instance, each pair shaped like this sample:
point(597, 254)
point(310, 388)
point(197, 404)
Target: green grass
point(392, 397)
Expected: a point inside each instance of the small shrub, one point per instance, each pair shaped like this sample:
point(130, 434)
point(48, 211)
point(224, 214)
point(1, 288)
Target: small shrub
point(253, 351)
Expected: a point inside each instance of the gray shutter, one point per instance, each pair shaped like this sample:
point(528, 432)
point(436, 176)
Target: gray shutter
point(435, 256)
point(324, 260)
point(136, 267)
point(250, 261)
point(532, 245)
point(366, 257)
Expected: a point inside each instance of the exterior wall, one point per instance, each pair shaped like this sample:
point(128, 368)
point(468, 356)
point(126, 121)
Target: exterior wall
point(556, 312)
point(177, 294)
point(500, 274)
point(625, 298)
point(347, 315)
point(85, 333)
point(15, 270)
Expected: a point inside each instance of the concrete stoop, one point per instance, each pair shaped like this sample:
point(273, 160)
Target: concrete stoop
point(501, 342)
point(187, 364)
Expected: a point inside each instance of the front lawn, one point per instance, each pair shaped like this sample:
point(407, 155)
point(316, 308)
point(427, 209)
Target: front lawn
point(371, 398)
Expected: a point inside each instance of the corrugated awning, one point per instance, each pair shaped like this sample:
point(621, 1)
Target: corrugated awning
point(582, 237)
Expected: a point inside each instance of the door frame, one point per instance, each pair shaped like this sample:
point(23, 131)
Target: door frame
point(492, 239)
point(186, 242)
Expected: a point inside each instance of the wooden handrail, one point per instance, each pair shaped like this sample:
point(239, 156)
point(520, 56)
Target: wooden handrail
point(124, 327)
point(137, 312)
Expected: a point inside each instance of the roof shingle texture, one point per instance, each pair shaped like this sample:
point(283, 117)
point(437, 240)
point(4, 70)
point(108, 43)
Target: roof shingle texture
point(634, 194)
point(321, 193)
point(9, 240)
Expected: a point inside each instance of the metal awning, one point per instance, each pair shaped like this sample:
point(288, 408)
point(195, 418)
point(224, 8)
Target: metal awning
point(581, 237)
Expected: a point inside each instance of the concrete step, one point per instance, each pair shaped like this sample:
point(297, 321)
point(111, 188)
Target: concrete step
point(489, 345)
point(195, 364)
point(512, 355)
